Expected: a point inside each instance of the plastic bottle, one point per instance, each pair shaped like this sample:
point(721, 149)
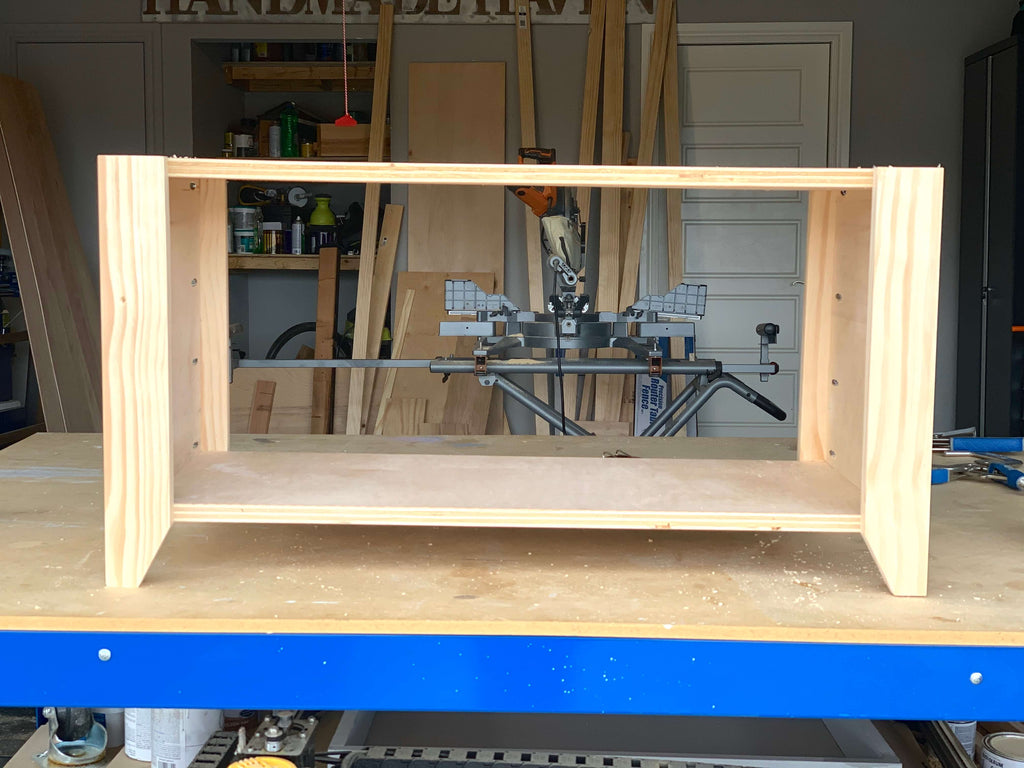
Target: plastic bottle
point(322, 215)
point(290, 131)
point(297, 233)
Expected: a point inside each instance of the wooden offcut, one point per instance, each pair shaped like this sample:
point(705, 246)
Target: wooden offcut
point(368, 242)
point(421, 341)
point(673, 197)
point(397, 346)
point(591, 96)
point(384, 268)
point(322, 418)
point(262, 406)
point(58, 292)
point(608, 389)
point(162, 467)
point(664, 33)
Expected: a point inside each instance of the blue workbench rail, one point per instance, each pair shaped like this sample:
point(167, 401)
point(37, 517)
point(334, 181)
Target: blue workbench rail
point(511, 674)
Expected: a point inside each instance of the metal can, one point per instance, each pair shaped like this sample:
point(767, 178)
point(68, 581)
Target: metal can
point(306, 149)
point(1003, 750)
point(965, 731)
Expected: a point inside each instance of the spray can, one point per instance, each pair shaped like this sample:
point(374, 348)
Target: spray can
point(179, 734)
point(138, 733)
point(297, 233)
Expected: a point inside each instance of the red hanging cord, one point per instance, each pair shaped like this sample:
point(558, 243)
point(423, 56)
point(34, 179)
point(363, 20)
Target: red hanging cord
point(345, 119)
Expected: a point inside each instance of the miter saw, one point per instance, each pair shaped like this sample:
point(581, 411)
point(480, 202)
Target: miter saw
point(569, 322)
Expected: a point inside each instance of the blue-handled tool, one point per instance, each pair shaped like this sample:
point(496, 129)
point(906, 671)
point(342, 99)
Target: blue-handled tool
point(1012, 478)
point(943, 475)
point(980, 444)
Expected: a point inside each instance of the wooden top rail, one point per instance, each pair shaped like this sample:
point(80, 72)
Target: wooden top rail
point(657, 177)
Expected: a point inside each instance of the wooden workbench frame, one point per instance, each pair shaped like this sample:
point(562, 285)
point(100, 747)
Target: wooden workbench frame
point(865, 416)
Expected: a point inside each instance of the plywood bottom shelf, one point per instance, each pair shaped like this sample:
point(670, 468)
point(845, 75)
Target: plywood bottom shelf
point(392, 489)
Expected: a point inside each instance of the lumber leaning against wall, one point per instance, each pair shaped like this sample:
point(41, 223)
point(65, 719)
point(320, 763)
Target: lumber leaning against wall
point(59, 296)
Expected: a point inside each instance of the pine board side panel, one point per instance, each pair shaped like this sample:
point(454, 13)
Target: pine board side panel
point(135, 298)
point(198, 274)
point(906, 227)
point(321, 420)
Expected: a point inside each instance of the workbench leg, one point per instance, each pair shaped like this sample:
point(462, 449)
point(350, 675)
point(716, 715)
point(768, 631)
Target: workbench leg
point(906, 224)
point(135, 298)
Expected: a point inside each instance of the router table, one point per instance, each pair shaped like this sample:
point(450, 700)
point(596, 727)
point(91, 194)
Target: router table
point(504, 620)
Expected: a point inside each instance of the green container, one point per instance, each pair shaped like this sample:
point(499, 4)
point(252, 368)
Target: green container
point(322, 215)
point(290, 131)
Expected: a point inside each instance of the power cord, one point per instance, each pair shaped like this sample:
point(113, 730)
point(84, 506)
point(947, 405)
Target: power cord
point(558, 350)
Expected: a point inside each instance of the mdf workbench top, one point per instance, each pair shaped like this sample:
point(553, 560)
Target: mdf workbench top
point(338, 579)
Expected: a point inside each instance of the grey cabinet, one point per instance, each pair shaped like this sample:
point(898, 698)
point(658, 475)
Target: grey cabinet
point(990, 358)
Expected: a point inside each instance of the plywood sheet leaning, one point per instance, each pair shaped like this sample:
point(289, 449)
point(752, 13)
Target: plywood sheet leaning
point(422, 341)
point(58, 292)
point(457, 114)
point(362, 339)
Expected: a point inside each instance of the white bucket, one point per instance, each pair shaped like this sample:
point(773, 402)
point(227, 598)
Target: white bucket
point(1003, 750)
point(111, 718)
point(179, 734)
point(242, 217)
point(138, 725)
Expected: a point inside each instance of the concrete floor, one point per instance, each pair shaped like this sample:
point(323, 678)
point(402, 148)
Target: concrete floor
point(16, 725)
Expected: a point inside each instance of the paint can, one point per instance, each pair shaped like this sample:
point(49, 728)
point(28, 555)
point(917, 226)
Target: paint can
point(138, 733)
point(111, 718)
point(245, 241)
point(1003, 750)
point(965, 731)
point(179, 734)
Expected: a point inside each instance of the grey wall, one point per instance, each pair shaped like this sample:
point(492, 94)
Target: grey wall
point(906, 110)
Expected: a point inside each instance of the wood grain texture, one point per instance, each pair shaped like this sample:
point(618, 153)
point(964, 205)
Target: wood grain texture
point(262, 407)
point(58, 293)
point(384, 269)
point(834, 347)
point(404, 490)
point(321, 420)
point(404, 312)
point(423, 342)
point(457, 114)
point(134, 292)
point(362, 334)
point(419, 173)
point(902, 312)
point(664, 33)
point(293, 399)
point(406, 416)
point(770, 587)
point(199, 308)
point(264, 261)
point(591, 96)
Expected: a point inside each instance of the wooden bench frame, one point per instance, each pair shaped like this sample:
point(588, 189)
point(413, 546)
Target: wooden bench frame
point(865, 414)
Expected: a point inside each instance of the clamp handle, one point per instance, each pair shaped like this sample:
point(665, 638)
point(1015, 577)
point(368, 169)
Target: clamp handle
point(1014, 477)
